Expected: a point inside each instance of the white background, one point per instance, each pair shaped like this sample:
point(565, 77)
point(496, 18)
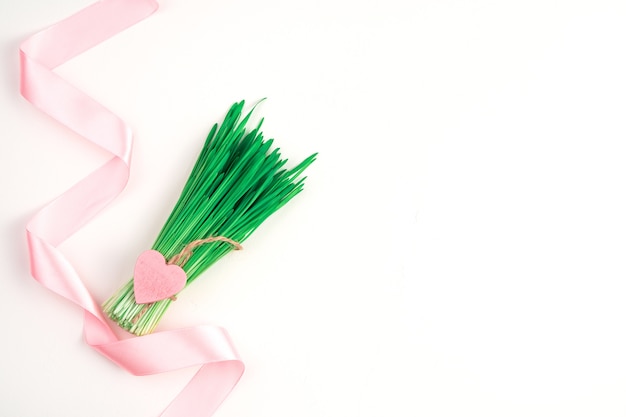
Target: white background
point(459, 247)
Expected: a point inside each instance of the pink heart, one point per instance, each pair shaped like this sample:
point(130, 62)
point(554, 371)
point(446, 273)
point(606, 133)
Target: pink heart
point(155, 280)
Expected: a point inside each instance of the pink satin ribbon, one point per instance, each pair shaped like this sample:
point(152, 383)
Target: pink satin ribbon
point(206, 346)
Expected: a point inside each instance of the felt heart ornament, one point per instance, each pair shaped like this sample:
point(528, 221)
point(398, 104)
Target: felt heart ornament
point(155, 280)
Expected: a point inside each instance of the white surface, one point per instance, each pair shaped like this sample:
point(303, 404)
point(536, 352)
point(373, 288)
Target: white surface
point(458, 250)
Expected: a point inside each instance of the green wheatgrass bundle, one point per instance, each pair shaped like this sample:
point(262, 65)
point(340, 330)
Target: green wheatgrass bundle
point(237, 182)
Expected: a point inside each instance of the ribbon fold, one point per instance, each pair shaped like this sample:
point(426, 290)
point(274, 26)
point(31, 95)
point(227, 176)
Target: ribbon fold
point(209, 347)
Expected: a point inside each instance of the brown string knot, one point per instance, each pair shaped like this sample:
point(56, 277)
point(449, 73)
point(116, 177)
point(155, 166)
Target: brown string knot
point(183, 256)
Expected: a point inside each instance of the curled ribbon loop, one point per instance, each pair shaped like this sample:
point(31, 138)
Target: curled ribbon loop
point(209, 347)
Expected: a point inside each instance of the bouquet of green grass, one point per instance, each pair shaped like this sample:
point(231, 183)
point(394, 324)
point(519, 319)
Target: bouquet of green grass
point(237, 182)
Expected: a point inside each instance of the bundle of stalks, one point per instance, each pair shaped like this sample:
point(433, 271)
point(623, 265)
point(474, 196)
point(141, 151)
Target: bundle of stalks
point(237, 182)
